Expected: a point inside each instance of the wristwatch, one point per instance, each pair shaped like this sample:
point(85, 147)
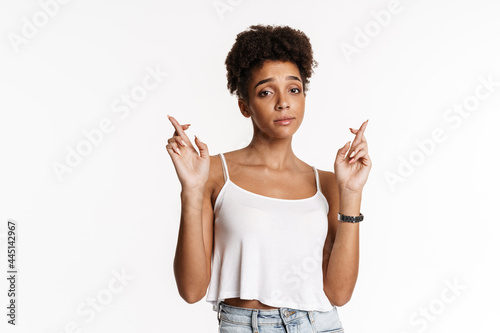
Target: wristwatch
point(352, 219)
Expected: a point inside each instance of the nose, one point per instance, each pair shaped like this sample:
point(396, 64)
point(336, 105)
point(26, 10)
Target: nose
point(282, 102)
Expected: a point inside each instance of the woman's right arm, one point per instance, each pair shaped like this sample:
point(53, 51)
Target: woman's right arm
point(192, 261)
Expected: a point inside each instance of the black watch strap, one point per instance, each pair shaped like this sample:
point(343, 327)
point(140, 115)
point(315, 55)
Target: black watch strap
point(352, 219)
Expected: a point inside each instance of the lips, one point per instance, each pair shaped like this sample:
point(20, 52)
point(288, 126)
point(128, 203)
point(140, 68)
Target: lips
point(284, 118)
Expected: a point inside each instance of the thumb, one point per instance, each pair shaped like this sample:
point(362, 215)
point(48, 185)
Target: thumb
point(202, 147)
point(342, 152)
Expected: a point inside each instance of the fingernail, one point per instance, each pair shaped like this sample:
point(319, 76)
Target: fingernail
point(178, 151)
point(183, 143)
point(352, 154)
point(351, 161)
point(168, 116)
point(198, 138)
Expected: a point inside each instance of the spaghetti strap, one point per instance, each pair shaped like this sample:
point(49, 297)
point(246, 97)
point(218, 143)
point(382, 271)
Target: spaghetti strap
point(318, 185)
point(224, 167)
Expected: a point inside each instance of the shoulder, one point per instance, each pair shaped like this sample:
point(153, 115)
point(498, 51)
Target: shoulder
point(216, 172)
point(327, 179)
point(328, 182)
point(215, 180)
point(214, 161)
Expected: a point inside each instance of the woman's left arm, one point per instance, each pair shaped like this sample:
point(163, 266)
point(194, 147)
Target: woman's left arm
point(351, 173)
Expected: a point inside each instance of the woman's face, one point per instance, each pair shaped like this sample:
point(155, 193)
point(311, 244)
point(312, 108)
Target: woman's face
point(275, 91)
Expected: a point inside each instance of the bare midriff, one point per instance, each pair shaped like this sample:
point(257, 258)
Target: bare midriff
point(248, 303)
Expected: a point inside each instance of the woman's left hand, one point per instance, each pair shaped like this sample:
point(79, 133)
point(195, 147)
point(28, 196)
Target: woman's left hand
point(352, 167)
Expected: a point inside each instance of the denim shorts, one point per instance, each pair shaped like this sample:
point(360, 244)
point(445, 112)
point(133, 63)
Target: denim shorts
point(234, 319)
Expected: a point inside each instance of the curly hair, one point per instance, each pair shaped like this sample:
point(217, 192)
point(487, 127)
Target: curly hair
point(260, 43)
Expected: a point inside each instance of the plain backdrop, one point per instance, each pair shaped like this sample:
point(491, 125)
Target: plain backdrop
point(97, 233)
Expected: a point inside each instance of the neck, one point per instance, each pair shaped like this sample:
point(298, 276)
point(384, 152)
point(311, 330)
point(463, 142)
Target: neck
point(276, 153)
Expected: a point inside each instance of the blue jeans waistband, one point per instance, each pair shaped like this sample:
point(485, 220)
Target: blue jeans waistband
point(239, 319)
point(253, 316)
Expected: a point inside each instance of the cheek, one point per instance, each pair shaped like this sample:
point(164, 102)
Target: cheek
point(299, 121)
point(261, 110)
point(300, 107)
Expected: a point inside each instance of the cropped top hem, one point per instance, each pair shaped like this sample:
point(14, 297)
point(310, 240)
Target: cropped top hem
point(291, 305)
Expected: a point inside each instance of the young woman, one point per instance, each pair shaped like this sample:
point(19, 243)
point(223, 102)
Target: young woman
point(260, 228)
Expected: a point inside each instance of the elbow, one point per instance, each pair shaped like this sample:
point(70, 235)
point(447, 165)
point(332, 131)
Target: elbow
point(191, 297)
point(338, 298)
point(189, 290)
point(340, 301)
point(192, 293)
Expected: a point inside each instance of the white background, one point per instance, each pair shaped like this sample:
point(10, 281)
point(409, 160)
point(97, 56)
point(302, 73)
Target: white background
point(118, 209)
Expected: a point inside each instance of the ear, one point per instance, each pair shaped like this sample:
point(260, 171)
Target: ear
point(243, 108)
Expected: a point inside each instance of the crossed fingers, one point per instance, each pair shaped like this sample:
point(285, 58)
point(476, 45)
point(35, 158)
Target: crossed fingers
point(359, 146)
point(179, 137)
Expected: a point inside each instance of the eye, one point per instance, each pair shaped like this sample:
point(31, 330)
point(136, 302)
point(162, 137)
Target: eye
point(263, 93)
point(297, 90)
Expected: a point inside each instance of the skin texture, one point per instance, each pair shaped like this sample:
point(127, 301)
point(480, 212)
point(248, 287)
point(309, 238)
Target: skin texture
point(265, 167)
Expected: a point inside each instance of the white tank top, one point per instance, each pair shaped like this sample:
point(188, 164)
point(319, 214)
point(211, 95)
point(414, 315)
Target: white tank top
point(269, 249)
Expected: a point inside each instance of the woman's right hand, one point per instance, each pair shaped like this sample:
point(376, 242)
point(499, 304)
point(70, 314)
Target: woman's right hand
point(192, 169)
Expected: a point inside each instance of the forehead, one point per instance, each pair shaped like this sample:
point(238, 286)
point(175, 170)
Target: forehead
point(275, 68)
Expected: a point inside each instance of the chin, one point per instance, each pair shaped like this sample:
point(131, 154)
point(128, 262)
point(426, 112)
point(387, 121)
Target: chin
point(286, 134)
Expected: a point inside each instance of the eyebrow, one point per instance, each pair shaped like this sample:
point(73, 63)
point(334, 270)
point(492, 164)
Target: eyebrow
point(289, 77)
